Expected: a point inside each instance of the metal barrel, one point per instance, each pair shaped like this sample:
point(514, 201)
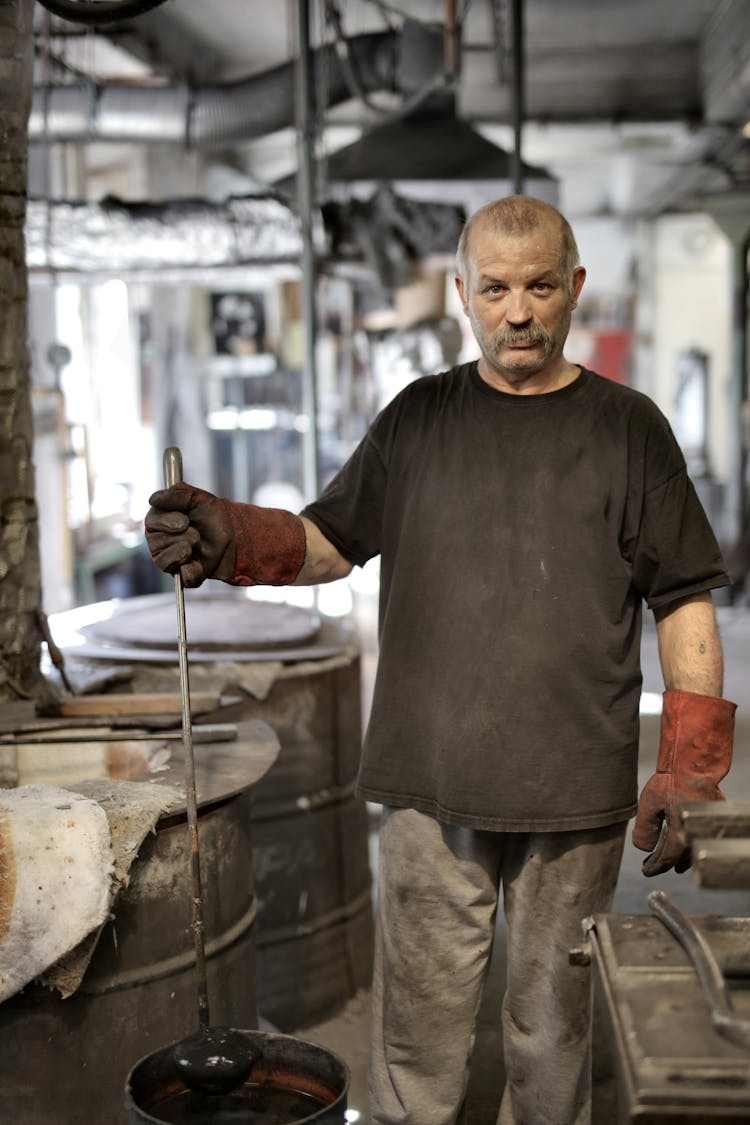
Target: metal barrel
point(66, 1061)
point(314, 936)
point(285, 1064)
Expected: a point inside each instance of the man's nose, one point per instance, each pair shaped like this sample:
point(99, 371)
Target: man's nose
point(518, 308)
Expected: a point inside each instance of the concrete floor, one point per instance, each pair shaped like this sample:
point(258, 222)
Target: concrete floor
point(347, 1032)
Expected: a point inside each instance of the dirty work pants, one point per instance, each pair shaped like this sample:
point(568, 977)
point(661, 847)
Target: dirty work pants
point(438, 888)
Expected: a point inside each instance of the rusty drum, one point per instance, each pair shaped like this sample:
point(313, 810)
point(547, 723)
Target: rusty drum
point(66, 1060)
point(299, 673)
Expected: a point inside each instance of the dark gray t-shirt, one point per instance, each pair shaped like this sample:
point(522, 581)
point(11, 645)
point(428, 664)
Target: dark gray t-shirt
point(518, 536)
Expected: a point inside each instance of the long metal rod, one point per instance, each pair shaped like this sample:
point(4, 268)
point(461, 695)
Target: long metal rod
point(519, 109)
point(173, 474)
point(737, 486)
point(89, 732)
point(305, 200)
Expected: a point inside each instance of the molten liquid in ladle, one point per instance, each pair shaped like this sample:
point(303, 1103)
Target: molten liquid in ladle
point(215, 1060)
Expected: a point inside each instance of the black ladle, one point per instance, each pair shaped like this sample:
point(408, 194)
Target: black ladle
point(214, 1060)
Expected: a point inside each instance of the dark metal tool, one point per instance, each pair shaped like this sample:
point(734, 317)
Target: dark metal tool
point(723, 1018)
point(208, 732)
point(55, 654)
point(214, 1060)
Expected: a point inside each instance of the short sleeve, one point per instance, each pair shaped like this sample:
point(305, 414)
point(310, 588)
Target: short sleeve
point(349, 512)
point(676, 553)
point(358, 508)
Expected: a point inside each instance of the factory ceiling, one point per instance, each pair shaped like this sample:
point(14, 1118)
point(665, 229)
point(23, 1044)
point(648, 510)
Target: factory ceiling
point(633, 107)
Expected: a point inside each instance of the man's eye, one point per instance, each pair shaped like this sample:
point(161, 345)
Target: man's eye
point(495, 288)
point(542, 286)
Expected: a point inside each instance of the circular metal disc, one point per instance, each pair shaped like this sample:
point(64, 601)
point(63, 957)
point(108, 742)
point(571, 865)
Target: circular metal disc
point(213, 621)
point(222, 769)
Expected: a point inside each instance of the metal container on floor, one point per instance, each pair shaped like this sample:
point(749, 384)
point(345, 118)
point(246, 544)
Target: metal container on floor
point(66, 1061)
point(299, 673)
point(289, 1071)
point(657, 1056)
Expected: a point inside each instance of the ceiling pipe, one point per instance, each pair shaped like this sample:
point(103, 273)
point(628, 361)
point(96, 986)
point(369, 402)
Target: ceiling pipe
point(208, 115)
point(519, 110)
point(451, 40)
point(306, 204)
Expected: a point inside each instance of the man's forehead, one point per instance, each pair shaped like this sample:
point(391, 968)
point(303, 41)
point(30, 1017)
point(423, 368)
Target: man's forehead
point(526, 254)
point(546, 234)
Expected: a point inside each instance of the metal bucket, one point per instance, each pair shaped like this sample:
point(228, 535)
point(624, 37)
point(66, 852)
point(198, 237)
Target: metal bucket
point(314, 934)
point(65, 1061)
point(302, 1075)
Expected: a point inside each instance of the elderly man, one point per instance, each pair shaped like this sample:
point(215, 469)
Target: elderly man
point(523, 508)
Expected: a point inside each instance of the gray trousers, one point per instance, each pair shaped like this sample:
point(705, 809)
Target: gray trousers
point(438, 889)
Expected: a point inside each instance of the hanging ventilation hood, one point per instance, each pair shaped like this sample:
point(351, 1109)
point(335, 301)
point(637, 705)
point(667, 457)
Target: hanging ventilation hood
point(429, 155)
point(432, 145)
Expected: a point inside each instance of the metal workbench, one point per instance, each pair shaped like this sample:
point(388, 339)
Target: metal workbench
point(671, 1038)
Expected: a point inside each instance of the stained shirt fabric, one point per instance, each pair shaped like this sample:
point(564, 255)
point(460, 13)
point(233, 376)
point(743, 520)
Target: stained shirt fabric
point(519, 536)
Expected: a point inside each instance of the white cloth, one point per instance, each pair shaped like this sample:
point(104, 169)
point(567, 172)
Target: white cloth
point(56, 869)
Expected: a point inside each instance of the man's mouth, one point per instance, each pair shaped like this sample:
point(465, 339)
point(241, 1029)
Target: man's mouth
point(520, 343)
point(522, 340)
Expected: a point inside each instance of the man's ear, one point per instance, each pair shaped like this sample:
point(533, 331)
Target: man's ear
point(579, 276)
point(462, 293)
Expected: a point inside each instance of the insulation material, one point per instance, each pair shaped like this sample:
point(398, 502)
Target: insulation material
point(132, 809)
point(56, 868)
point(114, 236)
point(64, 856)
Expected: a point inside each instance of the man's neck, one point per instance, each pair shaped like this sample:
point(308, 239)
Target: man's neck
point(536, 383)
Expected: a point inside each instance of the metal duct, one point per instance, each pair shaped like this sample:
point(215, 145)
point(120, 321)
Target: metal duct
point(205, 116)
point(113, 237)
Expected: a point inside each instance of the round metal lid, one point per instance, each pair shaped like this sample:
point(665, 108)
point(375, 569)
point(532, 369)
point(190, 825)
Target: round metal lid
point(222, 769)
point(221, 621)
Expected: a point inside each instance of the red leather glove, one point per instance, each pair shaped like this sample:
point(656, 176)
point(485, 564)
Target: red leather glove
point(695, 753)
point(204, 536)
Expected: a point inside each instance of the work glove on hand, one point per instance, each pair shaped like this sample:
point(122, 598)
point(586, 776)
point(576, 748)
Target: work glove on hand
point(204, 536)
point(695, 752)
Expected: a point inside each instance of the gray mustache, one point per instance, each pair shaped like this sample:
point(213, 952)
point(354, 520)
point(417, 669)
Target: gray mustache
point(522, 336)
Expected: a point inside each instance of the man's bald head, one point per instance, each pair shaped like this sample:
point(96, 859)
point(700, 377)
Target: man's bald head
point(515, 216)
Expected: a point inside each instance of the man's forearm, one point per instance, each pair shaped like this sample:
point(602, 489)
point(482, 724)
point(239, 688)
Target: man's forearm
point(690, 646)
point(323, 563)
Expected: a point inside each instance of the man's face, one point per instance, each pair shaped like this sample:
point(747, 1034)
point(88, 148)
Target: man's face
point(519, 303)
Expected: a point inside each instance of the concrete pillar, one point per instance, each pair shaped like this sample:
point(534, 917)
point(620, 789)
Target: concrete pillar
point(731, 213)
